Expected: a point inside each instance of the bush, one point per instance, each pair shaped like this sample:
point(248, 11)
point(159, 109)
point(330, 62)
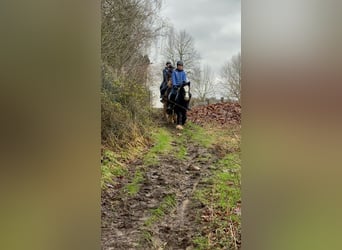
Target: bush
point(125, 110)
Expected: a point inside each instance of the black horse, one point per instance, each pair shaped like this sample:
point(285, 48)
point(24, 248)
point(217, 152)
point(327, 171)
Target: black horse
point(181, 104)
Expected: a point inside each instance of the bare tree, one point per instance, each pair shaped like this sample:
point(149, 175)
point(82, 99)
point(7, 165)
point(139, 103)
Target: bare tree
point(203, 83)
point(128, 28)
point(180, 46)
point(231, 77)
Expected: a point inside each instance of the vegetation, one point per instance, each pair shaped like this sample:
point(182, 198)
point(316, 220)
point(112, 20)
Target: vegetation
point(133, 187)
point(203, 83)
point(231, 78)
point(180, 45)
point(162, 145)
point(110, 168)
point(128, 132)
point(221, 196)
point(198, 134)
point(128, 28)
point(167, 204)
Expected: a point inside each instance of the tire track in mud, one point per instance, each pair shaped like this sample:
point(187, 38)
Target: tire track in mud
point(125, 217)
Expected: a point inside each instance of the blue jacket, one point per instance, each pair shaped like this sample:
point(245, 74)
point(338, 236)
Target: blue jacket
point(178, 77)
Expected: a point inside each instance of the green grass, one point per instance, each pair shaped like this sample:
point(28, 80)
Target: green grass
point(198, 135)
point(202, 195)
point(202, 243)
point(110, 168)
point(181, 154)
point(227, 185)
point(133, 187)
point(181, 149)
point(162, 139)
point(146, 236)
point(222, 194)
point(162, 144)
point(167, 204)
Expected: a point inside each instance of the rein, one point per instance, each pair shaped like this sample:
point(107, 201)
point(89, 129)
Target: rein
point(179, 105)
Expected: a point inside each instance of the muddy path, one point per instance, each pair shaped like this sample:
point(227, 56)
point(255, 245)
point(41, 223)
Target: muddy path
point(162, 214)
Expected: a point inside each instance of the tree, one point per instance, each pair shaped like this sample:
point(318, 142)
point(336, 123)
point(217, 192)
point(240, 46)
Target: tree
point(203, 83)
point(128, 28)
point(180, 46)
point(231, 77)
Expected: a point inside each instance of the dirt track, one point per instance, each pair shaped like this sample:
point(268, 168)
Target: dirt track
point(163, 213)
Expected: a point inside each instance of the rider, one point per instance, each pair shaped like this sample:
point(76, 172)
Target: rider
point(165, 90)
point(178, 78)
point(163, 85)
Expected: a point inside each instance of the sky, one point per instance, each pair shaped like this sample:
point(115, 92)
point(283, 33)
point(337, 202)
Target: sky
point(215, 26)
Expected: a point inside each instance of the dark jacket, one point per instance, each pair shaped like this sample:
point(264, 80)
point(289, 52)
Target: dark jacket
point(169, 74)
point(165, 71)
point(164, 82)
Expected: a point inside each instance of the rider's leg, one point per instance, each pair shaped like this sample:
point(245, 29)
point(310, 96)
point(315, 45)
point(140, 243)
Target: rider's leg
point(172, 96)
point(163, 88)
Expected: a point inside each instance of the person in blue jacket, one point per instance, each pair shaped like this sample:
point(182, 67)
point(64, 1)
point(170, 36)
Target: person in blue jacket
point(178, 78)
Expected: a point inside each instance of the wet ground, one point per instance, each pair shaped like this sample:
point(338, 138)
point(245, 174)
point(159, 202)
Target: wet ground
point(163, 213)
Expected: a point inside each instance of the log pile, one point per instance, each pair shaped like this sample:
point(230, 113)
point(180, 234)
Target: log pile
point(221, 113)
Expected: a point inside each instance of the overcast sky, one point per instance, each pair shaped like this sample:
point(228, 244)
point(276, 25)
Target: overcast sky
point(215, 26)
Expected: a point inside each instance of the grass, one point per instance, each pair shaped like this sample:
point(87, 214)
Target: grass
point(227, 185)
point(194, 133)
point(133, 187)
point(167, 204)
point(202, 243)
point(162, 144)
point(162, 139)
point(181, 154)
point(198, 135)
point(220, 219)
point(111, 168)
point(222, 199)
point(146, 236)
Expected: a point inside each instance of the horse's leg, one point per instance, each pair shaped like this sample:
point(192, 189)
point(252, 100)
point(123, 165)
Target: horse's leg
point(184, 117)
point(164, 110)
point(179, 116)
point(184, 112)
point(179, 120)
point(170, 116)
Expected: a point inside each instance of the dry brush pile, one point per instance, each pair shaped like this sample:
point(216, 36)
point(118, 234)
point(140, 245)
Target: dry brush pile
point(221, 113)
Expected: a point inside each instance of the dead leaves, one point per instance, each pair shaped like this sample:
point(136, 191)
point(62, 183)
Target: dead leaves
point(221, 113)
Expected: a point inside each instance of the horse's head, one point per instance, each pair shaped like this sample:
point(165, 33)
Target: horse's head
point(186, 91)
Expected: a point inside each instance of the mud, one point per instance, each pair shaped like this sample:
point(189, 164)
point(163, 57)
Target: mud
point(123, 216)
